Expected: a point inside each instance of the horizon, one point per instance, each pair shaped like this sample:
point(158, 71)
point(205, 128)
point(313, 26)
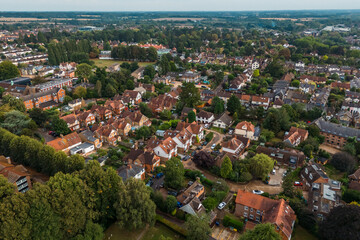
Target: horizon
point(176, 6)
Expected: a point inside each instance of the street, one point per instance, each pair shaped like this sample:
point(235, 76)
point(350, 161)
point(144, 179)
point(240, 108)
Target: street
point(215, 140)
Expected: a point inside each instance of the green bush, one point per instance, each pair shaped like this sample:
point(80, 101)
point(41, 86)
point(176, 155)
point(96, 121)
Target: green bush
point(192, 174)
point(180, 215)
point(171, 225)
point(206, 181)
point(210, 203)
point(230, 221)
point(209, 137)
point(245, 177)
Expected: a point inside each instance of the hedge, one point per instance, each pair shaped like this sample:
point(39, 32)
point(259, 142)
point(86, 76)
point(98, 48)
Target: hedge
point(171, 225)
point(229, 221)
point(209, 136)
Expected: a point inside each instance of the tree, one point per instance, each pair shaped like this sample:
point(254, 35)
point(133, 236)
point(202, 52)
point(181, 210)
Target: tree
point(217, 105)
point(262, 232)
point(190, 95)
point(204, 159)
point(174, 173)
point(226, 167)
point(285, 52)
point(110, 91)
point(59, 126)
point(146, 110)
point(165, 115)
point(210, 203)
point(134, 207)
point(342, 221)
point(150, 71)
point(256, 73)
point(170, 203)
point(8, 70)
point(295, 83)
point(79, 92)
point(261, 165)
point(6, 188)
point(191, 116)
point(98, 88)
point(143, 133)
point(14, 103)
point(39, 116)
point(233, 104)
point(83, 71)
point(343, 161)
point(15, 121)
point(275, 69)
point(198, 227)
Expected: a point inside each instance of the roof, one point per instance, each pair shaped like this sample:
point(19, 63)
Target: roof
point(204, 114)
point(233, 144)
point(65, 142)
point(225, 119)
point(355, 175)
point(296, 133)
point(277, 212)
point(337, 129)
point(248, 126)
point(69, 119)
point(53, 91)
point(131, 170)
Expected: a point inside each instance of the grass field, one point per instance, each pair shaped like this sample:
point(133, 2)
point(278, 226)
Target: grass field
point(114, 232)
point(302, 234)
point(106, 63)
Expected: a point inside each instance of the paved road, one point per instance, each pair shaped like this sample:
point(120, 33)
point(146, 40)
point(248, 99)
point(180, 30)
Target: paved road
point(216, 139)
point(45, 135)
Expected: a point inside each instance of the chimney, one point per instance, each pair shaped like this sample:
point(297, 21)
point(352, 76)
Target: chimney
point(129, 166)
point(187, 120)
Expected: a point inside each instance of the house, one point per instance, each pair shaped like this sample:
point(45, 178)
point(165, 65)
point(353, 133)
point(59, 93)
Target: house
point(65, 143)
point(122, 126)
point(340, 85)
point(116, 106)
point(82, 149)
point(138, 73)
point(86, 118)
point(131, 170)
point(71, 121)
point(132, 96)
point(312, 79)
point(57, 83)
point(183, 140)
point(291, 157)
point(355, 180)
point(190, 77)
point(224, 121)
point(324, 193)
point(18, 175)
point(146, 159)
point(186, 111)
point(295, 136)
point(260, 209)
point(107, 134)
point(44, 100)
point(76, 104)
point(336, 135)
point(196, 130)
point(278, 103)
point(114, 67)
point(136, 119)
point(307, 88)
point(140, 89)
point(246, 129)
point(166, 149)
point(196, 190)
point(89, 136)
point(205, 117)
point(161, 103)
point(320, 97)
point(260, 101)
point(234, 147)
point(101, 113)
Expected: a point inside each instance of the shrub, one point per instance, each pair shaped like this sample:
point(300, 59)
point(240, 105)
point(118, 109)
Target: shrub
point(171, 225)
point(209, 137)
point(210, 203)
point(206, 181)
point(230, 221)
point(245, 177)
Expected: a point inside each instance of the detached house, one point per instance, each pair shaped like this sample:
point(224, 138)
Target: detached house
point(72, 122)
point(146, 159)
point(66, 142)
point(205, 117)
point(166, 149)
point(260, 101)
point(295, 136)
point(116, 106)
point(291, 158)
point(136, 119)
point(261, 209)
point(132, 97)
point(107, 134)
point(191, 199)
point(16, 175)
point(86, 118)
point(224, 121)
point(122, 126)
point(131, 170)
point(234, 147)
point(246, 129)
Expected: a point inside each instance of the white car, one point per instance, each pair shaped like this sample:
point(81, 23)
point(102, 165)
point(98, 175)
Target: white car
point(207, 126)
point(258, 192)
point(221, 205)
point(213, 146)
point(273, 172)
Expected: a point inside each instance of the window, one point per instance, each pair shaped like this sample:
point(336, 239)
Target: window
point(246, 208)
point(251, 210)
point(306, 171)
point(258, 212)
point(311, 176)
point(258, 219)
point(251, 216)
point(245, 214)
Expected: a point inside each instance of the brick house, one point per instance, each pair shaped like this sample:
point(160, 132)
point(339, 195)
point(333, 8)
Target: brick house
point(86, 118)
point(288, 157)
point(44, 100)
point(71, 121)
point(259, 209)
point(295, 136)
point(234, 147)
point(146, 159)
point(245, 129)
point(65, 143)
point(16, 175)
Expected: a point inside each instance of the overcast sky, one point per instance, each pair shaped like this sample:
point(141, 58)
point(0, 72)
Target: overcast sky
point(174, 5)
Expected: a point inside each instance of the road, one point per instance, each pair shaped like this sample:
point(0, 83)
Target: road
point(215, 140)
point(45, 135)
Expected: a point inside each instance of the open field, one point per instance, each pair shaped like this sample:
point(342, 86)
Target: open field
point(106, 63)
point(114, 232)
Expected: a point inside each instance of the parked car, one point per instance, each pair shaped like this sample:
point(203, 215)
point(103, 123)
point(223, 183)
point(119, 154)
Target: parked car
point(179, 205)
point(149, 183)
point(207, 125)
point(173, 193)
point(273, 172)
point(213, 146)
point(199, 148)
point(258, 192)
point(204, 143)
point(50, 132)
point(231, 132)
point(187, 157)
point(284, 174)
point(298, 184)
point(221, 205)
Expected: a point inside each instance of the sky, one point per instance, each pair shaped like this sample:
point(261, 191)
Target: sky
point(174, 5)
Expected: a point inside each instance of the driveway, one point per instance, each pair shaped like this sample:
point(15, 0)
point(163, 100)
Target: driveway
point(222, 233)
point(234, 187)
point(276, 180)
point(215, 140)
point(45, 135)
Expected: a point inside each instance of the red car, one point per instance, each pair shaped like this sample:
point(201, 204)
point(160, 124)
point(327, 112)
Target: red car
point(298, 184)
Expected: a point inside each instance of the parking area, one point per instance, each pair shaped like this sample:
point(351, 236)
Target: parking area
point(44, 133)
point(222, 233)
point(276, 179)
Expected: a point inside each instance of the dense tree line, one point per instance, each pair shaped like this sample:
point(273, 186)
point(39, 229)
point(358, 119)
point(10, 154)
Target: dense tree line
point(74, 206)
point(69, 50)
point(30, 152)
point(134, 53)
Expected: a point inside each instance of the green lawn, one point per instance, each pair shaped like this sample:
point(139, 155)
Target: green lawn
point(114, 232)
point(159, 229)
point(301, 234)
point(106, 63)
point(333, 173)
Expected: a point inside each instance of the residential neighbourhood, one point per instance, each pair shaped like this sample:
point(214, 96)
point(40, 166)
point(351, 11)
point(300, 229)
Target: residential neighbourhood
point(146, 126)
